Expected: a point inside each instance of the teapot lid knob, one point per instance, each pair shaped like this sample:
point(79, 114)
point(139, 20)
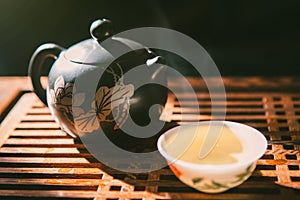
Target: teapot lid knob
point(101, 29)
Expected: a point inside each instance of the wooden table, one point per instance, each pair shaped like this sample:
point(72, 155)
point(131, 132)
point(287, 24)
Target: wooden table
point(38, 160)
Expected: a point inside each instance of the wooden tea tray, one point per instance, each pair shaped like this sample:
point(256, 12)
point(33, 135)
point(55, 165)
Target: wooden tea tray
point(39, 161)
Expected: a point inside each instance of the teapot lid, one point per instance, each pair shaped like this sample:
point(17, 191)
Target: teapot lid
point(90, 51)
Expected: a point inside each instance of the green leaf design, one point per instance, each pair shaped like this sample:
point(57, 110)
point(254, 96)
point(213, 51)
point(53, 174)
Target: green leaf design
point(197, 180)
point(219, 185)
point(242, 176)
point(207, 186)
point(213, 185)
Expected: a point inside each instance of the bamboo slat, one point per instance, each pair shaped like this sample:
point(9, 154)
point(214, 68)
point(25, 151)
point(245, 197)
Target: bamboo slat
point(39, 161)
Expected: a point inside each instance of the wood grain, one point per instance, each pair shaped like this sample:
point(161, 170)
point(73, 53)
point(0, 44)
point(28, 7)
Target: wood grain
point(38, 160)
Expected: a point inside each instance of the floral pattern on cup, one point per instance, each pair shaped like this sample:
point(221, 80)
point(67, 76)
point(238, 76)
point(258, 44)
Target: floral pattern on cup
point(213, 185)
point(217, 186)
point(175, 170)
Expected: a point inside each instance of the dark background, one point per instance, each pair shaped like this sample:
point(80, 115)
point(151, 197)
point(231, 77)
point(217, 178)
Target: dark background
point(243, 37)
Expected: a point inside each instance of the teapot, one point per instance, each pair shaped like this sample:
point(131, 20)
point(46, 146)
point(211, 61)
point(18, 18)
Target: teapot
point(115, 98)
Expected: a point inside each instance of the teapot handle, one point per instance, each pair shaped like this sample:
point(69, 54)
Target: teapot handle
point(37, 60)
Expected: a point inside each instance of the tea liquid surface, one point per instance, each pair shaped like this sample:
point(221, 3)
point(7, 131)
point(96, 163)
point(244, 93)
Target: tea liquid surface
point(186, 145)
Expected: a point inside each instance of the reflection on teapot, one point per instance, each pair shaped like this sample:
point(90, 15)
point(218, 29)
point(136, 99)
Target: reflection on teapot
point(115, 98)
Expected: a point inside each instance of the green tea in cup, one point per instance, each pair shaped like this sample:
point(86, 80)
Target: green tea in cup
point(188, 142)
point(233, 149)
